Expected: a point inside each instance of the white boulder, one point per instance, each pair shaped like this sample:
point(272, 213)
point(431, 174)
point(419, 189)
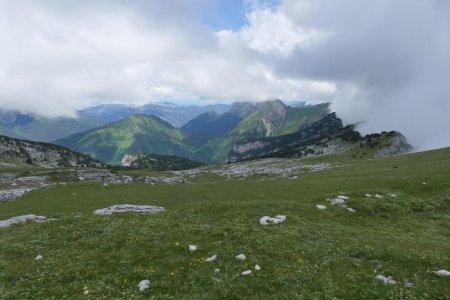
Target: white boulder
point(143, 285)
point(266, 220)
point(337, 201)
point(212, 258)
point(386, 280)
point(241, 257)
point(442, 273)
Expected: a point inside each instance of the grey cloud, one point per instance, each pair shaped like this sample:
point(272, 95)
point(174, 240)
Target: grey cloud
point(392, 55)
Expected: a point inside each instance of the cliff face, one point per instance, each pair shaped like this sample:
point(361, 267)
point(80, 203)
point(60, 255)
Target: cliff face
point(326, 136)
point(310, 135)
point(398, 145)
point(15, 151)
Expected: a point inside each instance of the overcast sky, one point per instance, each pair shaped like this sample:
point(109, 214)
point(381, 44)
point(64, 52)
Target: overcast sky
point(384, 63)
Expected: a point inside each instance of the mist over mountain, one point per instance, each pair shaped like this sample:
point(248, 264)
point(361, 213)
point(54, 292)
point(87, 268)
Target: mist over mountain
point(37, 128)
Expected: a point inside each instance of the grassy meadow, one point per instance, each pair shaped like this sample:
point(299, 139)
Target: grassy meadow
point(314, 254)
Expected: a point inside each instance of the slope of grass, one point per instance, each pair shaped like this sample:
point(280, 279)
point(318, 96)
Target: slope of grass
point(314, 254)
point(135, 133)
point(298, 117)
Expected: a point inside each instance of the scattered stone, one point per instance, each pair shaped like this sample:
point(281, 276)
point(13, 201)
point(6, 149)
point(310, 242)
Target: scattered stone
point(212, 258)
point(351, 209)
point(21, 219)
point(280, 168)
point(143, 285)
point(424, 183)
point(248, 272)
point(386, 280)
point(8, 195)
point(337, 201)
point(257, 268)
point(343, 197)
point(378, 196)
point(442, 273)
point(368, 195)
point(39, 257)
point(266, 220)
point(192, 248)
point(123, 208)
point(392, 195)
point(165, 180)
point(321, 206)
point(86, 292)
point(216, 270)
point(241, 257)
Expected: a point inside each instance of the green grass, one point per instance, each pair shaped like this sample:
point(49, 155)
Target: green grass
point(314, 254)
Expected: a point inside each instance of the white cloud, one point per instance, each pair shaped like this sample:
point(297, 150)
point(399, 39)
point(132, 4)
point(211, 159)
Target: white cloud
point(383, 62)
point(271, 31)
point(57, 58)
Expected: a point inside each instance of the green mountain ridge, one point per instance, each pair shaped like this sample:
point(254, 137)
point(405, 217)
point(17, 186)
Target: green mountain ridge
point(136, 133)
point(327, 135)
point(246, 131)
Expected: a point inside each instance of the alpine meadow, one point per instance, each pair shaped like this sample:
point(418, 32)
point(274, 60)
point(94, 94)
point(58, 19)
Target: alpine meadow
point(212, 149)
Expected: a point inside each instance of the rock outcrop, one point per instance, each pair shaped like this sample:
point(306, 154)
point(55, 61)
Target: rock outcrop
point(15, 151)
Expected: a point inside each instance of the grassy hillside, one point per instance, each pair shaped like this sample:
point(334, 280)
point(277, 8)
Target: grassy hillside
point(314, 254)
point(298, 117)
point(136, 133)
point(273, 118)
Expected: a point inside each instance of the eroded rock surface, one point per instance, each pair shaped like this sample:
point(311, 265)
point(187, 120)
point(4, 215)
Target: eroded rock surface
point(21, 219)
point(123, 208)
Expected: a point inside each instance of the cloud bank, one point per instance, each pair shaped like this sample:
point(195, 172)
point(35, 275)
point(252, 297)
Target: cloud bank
point(382, 62)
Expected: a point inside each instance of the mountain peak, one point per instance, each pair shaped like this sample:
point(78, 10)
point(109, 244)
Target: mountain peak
point(140, 117)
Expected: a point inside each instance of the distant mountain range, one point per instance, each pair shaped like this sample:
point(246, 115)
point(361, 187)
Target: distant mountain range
point(242, 131)
point(37, 128)
point(174, 114)
point(207, 138)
